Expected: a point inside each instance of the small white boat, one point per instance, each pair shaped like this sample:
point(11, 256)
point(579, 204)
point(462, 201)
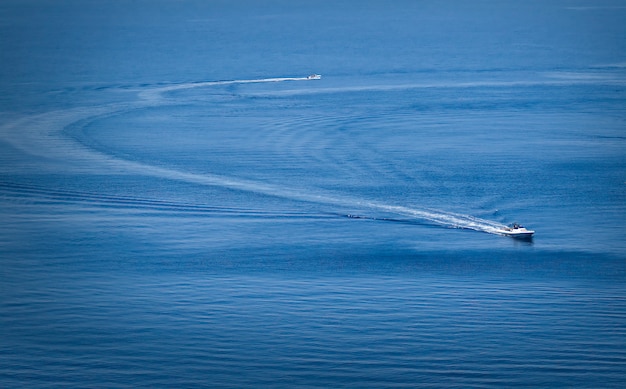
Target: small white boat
point(517, 231)
point(314, 77)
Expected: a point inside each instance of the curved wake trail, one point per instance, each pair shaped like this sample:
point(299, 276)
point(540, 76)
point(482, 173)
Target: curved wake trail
point(44, 136)
point(446, 219)
point(156, 94)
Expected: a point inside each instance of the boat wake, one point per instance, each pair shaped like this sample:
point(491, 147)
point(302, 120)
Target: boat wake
point(157, 94)
point(434, 217)
point(46, 136)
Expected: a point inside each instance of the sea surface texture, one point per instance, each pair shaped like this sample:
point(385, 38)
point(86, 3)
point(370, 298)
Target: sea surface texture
point(181, 207)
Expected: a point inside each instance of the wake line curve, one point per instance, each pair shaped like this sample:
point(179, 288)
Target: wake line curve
point(156, 94)
point(45, 136)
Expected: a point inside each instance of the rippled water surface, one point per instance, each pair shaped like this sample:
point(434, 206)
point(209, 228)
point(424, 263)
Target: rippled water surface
point(182, 207)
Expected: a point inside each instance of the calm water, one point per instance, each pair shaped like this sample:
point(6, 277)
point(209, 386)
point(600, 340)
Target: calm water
point(180, 207)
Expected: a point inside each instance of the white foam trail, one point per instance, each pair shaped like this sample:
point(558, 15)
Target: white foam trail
point(156, 94)
point(437, 217)
point(43, 135)
point(449, 219)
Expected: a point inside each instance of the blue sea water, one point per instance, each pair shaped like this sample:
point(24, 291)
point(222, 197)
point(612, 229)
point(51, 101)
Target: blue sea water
point(181, 207)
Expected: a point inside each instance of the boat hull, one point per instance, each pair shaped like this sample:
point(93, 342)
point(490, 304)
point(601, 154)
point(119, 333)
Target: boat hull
point(517, 231)
point(526, 235)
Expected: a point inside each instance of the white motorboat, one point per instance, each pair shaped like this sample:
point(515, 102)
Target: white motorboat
point(314, 77)
point(517, 231)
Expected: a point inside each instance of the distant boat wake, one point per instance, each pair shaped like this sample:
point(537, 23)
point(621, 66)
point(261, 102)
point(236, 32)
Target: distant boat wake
point(46, 136)
point(156, 94)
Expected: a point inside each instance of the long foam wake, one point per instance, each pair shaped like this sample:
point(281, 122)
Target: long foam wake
point(45, 135)
point(447, 219)
point(156, 94)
